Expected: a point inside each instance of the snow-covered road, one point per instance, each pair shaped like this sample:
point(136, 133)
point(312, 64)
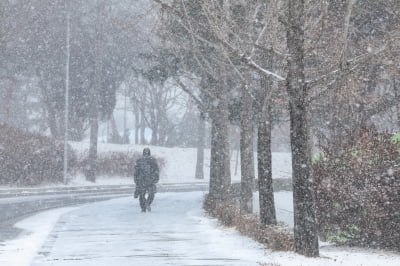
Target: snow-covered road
point(116, 233)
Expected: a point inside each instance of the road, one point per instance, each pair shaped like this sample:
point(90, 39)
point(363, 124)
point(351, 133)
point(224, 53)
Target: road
point(18, 203)
point(115, 232)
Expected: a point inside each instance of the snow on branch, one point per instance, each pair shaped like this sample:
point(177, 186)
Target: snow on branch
point(254, 65)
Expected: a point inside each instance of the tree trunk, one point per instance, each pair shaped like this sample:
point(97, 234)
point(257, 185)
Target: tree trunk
point(92, 159)
point(8, 96)
point(397, 95)
point(137, 125)
point(246, 153)
point(50, 109)
point(201, 134)
point(214, 171)
point(220, 178)
point(306, 239)
point(162, 130)
point(75, 129)
point(264, 159)
point(95, 89)
point(154, 135)
point(115, 137)
point(142, 126)
point(52, 120)
point(305, 229)
point(237, 158)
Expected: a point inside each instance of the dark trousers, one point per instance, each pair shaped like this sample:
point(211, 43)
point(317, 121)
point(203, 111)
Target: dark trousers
point(146, 201)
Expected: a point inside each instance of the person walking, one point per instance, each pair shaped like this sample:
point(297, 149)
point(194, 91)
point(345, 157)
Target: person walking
point(146, 176)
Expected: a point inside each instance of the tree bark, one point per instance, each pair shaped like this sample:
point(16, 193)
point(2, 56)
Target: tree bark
point(115, 137)
point(246, 153)
point(92, 159)
point(201, 132)
point(305, 229)
point(137, 125)
point(154, 134)
point(8, 96)
point(142, 125)
point(397, 96)
point(220, 178)
point(76, 129)
point(50, 109)
point(264, 159)
point(95, 89)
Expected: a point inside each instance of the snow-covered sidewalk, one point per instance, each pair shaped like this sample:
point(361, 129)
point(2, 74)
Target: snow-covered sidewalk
point(115, 232)
point(177, 232)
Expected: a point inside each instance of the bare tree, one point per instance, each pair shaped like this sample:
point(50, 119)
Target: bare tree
point(157, 103)
point(94, 113)
point(306, 238)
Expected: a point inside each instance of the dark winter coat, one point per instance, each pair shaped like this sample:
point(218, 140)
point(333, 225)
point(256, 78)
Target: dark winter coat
point(146, 174)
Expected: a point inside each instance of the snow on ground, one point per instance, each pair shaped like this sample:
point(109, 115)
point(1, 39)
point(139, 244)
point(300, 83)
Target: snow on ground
point(176, 232)
point(80, 180)
point(329, 253)
point(21, 251)
point(283, 206)
point(180, 163)
point(332, 256)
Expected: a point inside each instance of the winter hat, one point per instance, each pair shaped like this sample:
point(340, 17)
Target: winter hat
point(146, 152)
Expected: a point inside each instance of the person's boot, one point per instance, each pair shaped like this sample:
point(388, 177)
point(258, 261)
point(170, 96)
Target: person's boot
point(148, 208)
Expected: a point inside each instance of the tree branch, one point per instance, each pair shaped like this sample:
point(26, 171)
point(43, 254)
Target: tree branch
point(255, 66)
point(199, 103)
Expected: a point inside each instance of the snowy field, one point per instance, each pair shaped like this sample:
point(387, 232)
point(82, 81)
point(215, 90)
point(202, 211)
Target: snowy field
point(177, 232)
point(180, 164)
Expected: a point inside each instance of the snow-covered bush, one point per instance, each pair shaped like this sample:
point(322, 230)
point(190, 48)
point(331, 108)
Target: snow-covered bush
point(116, 163)
point(30, 159)
point(357, 188)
